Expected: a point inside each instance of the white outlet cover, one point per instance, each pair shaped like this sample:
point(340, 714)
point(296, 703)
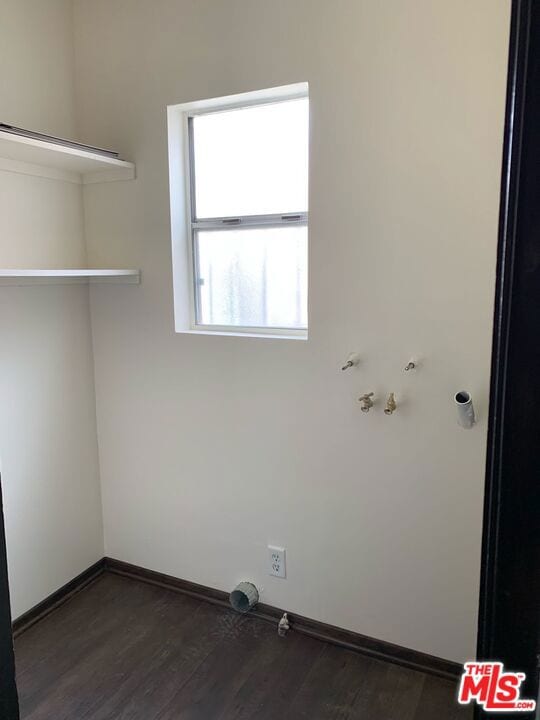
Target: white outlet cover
point(276, 561)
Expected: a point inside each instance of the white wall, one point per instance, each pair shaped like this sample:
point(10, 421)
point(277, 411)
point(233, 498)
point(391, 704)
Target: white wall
point(212, 447)
point(48, 444)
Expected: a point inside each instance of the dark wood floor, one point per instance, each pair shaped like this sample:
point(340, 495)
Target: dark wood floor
point(122, 649)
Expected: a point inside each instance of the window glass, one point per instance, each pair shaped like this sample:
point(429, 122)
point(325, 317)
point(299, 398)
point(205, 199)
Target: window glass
point(255, 277)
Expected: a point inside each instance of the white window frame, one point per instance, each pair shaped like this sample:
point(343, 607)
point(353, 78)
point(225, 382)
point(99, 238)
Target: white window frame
point(185, 224)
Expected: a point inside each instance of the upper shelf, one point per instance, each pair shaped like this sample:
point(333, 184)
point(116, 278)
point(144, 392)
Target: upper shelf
point(68, 276)
point(44, 159)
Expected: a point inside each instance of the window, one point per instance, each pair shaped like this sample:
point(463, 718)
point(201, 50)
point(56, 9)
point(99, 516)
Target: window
point(246, 158)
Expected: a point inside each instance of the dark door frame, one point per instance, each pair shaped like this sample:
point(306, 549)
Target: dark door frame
point(509, 611)
point(9, 704)
point(512, 451)
point(508, 225)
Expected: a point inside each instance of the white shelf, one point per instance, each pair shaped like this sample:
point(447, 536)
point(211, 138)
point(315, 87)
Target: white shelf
point(44, 159)
point(68, 276)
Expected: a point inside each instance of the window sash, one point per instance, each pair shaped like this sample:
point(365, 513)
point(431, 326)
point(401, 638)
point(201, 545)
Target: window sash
point(253, 220)
point(214, 224)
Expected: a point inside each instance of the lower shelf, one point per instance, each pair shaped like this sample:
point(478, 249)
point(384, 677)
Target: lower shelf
point(68, 276)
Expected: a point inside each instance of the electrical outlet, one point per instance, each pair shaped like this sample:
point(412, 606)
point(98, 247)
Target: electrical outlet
point(276, 561)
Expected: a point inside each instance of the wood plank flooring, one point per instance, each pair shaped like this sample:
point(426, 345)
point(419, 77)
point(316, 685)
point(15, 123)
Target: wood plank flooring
point(125, 650)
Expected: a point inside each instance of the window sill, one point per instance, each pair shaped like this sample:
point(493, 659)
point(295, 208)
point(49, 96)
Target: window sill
point(253, 333)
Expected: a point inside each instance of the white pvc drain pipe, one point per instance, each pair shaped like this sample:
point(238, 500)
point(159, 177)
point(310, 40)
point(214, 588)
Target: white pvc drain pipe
point(465, 409)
